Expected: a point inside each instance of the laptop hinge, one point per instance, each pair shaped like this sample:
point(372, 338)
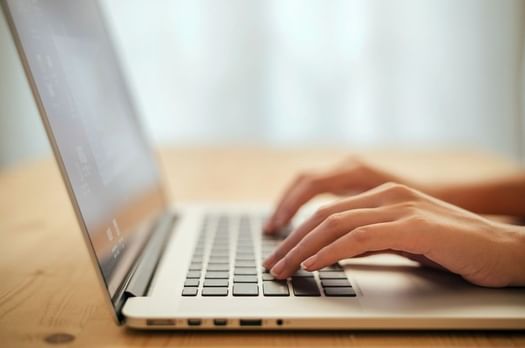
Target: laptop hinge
point(144, 271)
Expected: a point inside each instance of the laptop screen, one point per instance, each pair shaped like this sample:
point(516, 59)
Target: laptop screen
point(92, 123)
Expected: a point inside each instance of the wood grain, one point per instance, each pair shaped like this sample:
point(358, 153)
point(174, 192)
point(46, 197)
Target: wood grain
point(48, 288)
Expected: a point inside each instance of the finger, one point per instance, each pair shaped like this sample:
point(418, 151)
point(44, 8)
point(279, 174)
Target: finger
point(394, 235)
point(269, 226)
point(367, 199)
point(327, 232)
point(301, 191)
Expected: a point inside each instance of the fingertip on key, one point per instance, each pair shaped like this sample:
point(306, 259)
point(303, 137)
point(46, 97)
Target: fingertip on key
point(277, 269)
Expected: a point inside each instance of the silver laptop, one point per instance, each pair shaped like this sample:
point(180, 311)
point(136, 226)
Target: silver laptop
point(199, 266)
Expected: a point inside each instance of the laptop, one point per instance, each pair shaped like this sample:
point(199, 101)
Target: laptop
point(198, 266)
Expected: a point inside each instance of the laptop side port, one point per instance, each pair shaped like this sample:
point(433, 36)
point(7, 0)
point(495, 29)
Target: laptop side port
point(194, 322)
point(220, 322)
point(250, 322)
point(160, 322)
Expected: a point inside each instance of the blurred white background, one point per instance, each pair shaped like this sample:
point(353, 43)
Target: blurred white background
point(353, 73)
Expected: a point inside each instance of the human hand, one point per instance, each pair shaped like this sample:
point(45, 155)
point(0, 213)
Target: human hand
point(354, 176)
point(394, 217)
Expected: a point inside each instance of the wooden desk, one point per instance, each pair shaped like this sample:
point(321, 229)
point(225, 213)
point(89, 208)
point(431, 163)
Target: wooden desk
point(48, 285)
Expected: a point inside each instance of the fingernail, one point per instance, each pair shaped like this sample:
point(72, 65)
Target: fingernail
point(309, 262)
point(278, 268)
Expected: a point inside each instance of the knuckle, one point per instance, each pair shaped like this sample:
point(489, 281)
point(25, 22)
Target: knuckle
point(410, 207)
point(333, 221)
point(361, 235)
point(398, 190)
point(418, 220)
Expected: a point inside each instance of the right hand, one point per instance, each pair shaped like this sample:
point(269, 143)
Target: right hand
point(353, 177)
point(396, 218)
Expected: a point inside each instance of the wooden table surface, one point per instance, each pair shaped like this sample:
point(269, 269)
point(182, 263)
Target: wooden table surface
point(48, 291)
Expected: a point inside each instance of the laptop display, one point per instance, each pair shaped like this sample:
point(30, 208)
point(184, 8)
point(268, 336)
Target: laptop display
point(93, 125)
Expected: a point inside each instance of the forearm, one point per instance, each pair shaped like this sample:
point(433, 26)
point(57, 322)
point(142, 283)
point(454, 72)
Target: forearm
point(499, 197)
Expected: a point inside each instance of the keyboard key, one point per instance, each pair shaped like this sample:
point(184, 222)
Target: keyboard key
point(216, 283)
point(195, 266)
point(245, 257)
point(193, 275)
point(221, 240)
point(219, 260)
point(276, 288)
point(220, 254)
point(335, 283)
point(245, 279)
point(217, 275)
point(332, 275)
point(340, 292)
point(218, 267)
point(245, 271)
point(302, 274)
point(244, 241)
point(246, 264)
point(214, 292)
point(190, 291)
point(196, 260)
point(305, 287)
point(191, 282)
point(332, 268)
point(245, 289)
point(267, 276)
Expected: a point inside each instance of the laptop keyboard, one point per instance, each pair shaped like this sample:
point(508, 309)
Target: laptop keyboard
point(227, 261)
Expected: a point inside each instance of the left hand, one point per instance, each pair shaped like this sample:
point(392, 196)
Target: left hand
point(394, 217)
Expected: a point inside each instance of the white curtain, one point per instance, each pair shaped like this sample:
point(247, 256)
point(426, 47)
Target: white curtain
point(409, 73)
point(355, 72)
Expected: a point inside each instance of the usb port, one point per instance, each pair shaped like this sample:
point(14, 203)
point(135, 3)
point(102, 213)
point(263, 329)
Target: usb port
point(220, 322)
point(250, 322)
point(194, 322)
